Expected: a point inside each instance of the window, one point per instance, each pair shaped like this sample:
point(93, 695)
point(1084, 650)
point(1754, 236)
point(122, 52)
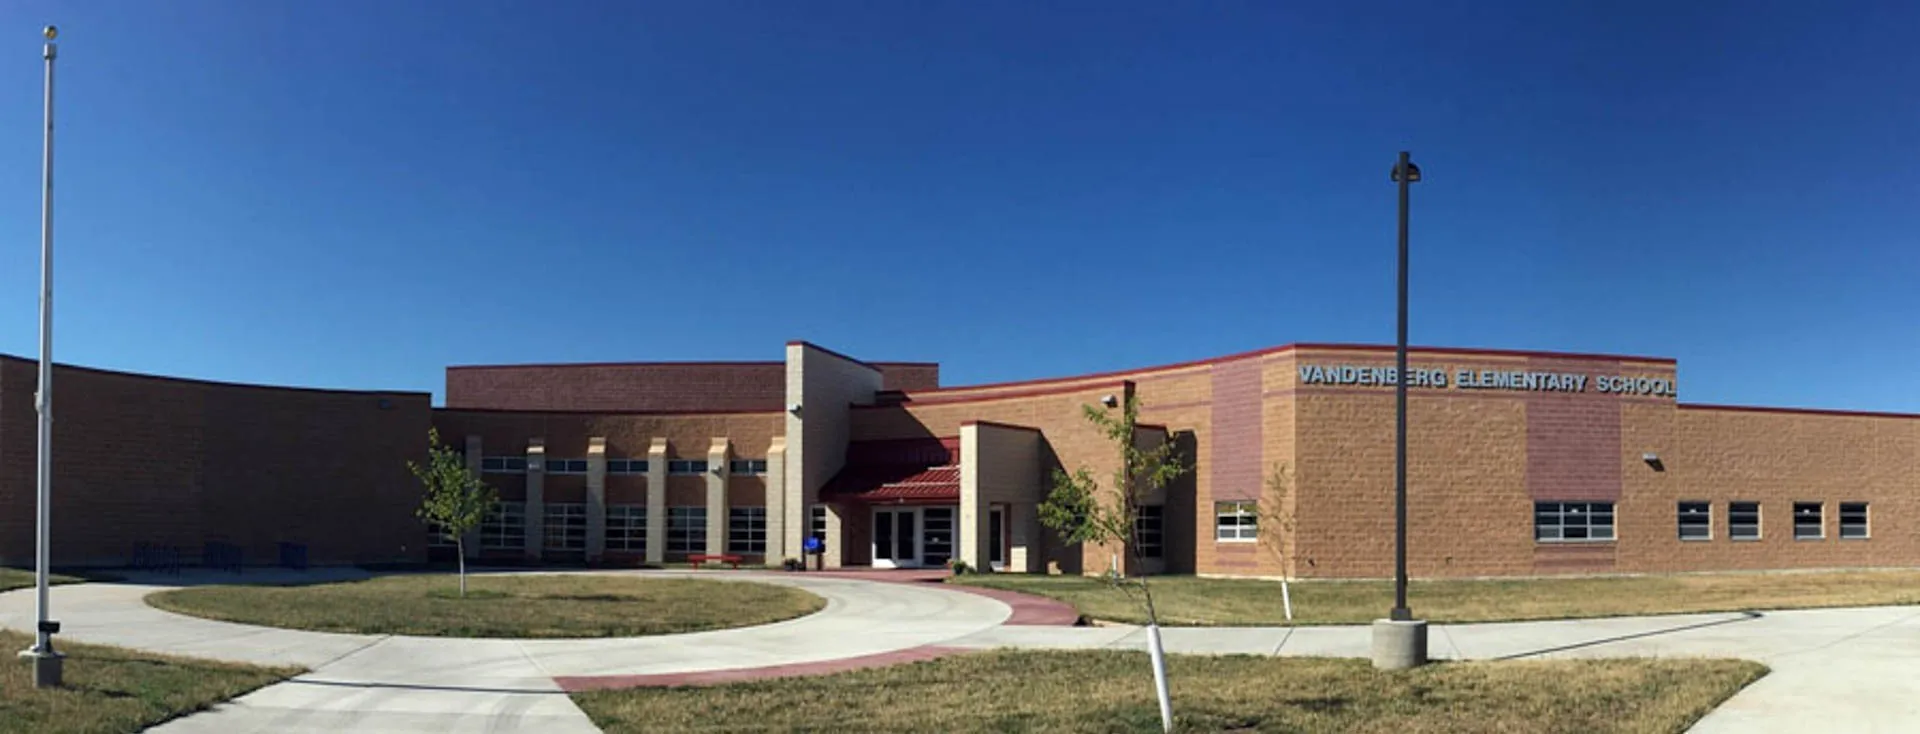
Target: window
point(1853, 520)
point(817, 522)
point(627, 528)
point(503, 465)
point(566, 526)
point(566, 466)
point(1807, 521)
point(505, 528)
point(753, 467)
point(1743, 520)
point(1148, 529)
point(1696, 521)
point(746, 530)
point(936, 537)
point(1572, 522)
point(626, 466)
point(1236, 522)
point(686, 466)
point(437, 536)
point(686, 530)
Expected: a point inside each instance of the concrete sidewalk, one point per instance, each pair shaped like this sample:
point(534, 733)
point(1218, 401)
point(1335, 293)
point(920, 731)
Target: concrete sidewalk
point(1834, 670)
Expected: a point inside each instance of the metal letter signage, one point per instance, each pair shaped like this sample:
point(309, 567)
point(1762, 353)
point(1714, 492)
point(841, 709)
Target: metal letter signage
point(1484, 379)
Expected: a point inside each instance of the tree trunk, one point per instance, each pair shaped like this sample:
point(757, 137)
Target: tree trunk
point(460, 550)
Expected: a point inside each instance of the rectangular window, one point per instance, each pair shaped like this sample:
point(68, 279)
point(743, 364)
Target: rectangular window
point(936, 539)
point(503, 465)
point(748, 467)
point(1148, 531)
point(627, 528)
point(1696, 521)
point(626, 466)
point(437, 536)
point(566, 466)
point(505, 528)
point(1572, 522)
point(1743, 520)
point(1808, 523)
point(1236, 522)
point(686, 530)
point(817, 521)
point(686, 466)
point(1853, 520)
point(566, 527)
point(746, 530)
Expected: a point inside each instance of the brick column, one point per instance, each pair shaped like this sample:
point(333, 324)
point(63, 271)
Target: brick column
point(776, 502)
point(470, 543)
point(596, 498)
point(536, 515)
point(717, 473)
point(657, 501)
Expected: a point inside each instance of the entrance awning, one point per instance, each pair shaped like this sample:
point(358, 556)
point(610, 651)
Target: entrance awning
point(894, 484)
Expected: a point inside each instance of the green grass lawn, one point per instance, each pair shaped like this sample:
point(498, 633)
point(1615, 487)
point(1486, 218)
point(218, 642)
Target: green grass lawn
point(1109, 691)
point(570, 605)
point(20, 578)
point(110, 689)
point(1194, 601)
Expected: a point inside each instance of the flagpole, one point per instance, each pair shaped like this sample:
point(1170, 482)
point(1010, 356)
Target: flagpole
point(46, 662)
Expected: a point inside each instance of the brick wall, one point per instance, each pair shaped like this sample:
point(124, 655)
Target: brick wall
point(656, 387)
point(180, 462)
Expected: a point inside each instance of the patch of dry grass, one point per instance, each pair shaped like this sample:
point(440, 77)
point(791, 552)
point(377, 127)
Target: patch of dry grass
point(110, 689)
point(20, 578)
point(1193, 601)
point(1109, 691)
point(569, 605)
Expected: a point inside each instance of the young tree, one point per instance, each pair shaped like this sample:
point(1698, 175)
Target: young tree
point(1082, 511)
point(456, 500)
point(1273, 513)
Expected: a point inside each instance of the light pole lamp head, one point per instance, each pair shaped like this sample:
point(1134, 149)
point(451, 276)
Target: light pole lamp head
point(1412, 173)
point(50, 32)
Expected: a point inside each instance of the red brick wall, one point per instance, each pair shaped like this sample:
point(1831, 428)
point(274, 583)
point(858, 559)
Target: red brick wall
point(180, 462)
point(691, 386)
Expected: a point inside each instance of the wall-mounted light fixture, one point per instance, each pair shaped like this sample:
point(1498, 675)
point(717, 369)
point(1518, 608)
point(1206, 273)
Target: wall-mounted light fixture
point(1653, 460)
point(794, 409)
point(1109, 400)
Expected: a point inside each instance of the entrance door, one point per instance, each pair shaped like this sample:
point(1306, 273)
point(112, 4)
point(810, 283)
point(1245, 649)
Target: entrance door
point(894, 539)
point(996, 539)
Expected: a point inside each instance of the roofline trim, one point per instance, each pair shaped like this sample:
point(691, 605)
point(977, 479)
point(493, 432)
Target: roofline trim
point(997, 424)
point(222, 383)
point(607, 413)
point(1009, 395)
point(692, 363)
point(1797, 411)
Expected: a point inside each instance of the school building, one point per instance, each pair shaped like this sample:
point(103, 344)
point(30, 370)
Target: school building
point(1520, 463)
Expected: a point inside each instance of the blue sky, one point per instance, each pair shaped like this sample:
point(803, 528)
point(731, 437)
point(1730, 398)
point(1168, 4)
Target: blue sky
point(356, 194)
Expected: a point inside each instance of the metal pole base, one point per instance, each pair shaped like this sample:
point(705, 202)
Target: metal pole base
point(1399, 645)
point(46, 667)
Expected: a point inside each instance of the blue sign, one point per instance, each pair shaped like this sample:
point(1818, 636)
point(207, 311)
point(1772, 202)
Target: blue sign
point(813, 544)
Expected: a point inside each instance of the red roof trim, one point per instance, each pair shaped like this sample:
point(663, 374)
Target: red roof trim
point(608, 413)
point(1465, 351)
point(1796, 411)
point(668, 363)
point(913, 399)
point(218, 383)
point(995, 424)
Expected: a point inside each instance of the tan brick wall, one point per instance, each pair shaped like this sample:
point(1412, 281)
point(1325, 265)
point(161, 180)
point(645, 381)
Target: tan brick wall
point(180, 462)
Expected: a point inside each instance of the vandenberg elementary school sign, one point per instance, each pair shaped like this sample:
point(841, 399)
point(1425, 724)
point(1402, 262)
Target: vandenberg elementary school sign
point(1347, 374)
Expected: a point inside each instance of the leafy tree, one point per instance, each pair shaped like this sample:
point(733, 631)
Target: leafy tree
point(1082, 511)
point(456, 500)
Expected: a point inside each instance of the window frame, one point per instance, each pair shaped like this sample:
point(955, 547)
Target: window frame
point(631, 526)
point(555, 522)
point(495, 527)
point(1245, 527)
point(817, 522)
point(1561, 512)
point(1682, 516)
point(686, 467)
point(564, 466)
point(747, 467)
point(753, 520)
point(1865, 524)
point(1758, 524)
point(503, 465)
point(626, 467)
point(1819, 515)
point(689, 522)
point(1154, 524)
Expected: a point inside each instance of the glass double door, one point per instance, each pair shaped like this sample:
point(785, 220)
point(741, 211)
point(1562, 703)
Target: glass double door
point(912, 537)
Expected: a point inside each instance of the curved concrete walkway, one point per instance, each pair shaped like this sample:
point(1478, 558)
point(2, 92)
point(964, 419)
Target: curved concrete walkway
point(1843, 670)
point(438, 684)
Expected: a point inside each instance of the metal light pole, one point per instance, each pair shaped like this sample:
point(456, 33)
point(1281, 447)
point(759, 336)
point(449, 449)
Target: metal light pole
point(46, 662)
point(1399, 641)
